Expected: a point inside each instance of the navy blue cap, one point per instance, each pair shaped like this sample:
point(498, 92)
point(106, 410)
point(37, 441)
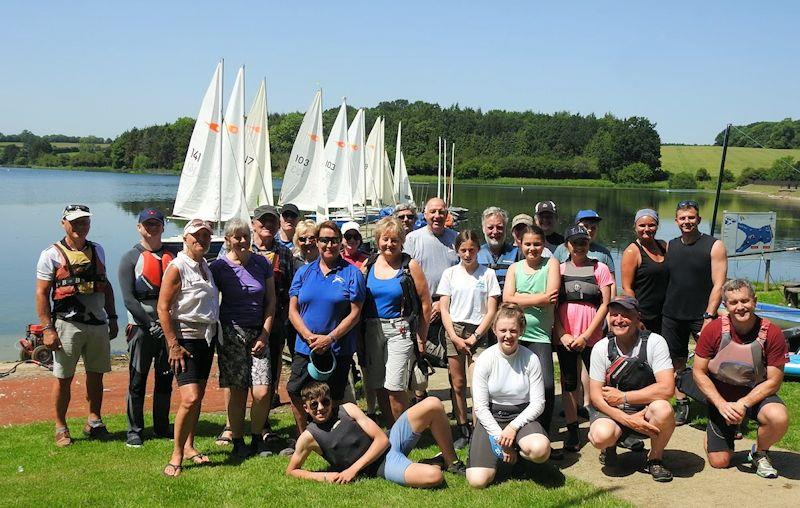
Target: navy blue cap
point(574, 232)
point(151, 213)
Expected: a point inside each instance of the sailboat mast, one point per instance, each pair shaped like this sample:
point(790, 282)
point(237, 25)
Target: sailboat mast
point(452, 170)
point(439, 171)
point(221, 134)
point(444, 160)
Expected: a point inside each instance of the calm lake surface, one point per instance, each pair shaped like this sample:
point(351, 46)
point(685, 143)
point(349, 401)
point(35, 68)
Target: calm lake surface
point(32, 201)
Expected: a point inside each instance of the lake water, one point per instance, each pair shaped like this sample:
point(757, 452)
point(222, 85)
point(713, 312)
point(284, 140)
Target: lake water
point(32, 202)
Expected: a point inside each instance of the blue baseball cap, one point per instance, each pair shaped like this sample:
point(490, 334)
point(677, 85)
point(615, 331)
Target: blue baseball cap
point(151, 213)
point(586, 214)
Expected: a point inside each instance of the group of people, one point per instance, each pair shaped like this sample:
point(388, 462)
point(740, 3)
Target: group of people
point(492, 314)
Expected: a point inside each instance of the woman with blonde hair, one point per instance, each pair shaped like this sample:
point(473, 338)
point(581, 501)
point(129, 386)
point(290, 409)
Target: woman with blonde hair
point(305, 243)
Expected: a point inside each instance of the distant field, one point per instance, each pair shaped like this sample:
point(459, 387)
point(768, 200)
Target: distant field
point(55, 145)
point(690, 158)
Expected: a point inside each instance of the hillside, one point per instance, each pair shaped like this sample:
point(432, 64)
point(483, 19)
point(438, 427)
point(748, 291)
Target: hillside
point(690, 158)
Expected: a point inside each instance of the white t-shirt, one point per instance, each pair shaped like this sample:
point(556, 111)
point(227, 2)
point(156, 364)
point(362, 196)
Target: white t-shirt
point(50, 261)
point(657, 356)
point(433, 253)
point(507, 380)
point(468, 292)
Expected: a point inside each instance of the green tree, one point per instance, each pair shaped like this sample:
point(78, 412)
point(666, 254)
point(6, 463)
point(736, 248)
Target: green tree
point(682, 180)
point(638, 172)
point(702, 175)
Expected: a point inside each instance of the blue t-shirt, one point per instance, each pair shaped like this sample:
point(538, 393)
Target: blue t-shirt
point(384, 296)
point(242, 288)
point(324, 301)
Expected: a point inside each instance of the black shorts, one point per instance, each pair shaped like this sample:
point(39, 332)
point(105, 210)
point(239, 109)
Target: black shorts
point(677, 332)
point(568, 363)
point(480, 450)
point(654, 325)
point(300, 376)
point(720, 435)
point(198, 365)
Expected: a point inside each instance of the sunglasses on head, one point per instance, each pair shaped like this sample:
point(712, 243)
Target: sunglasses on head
point(72, 208)
point(316, 404)
point(306, 239)
point(688, 203)
point(327, 239)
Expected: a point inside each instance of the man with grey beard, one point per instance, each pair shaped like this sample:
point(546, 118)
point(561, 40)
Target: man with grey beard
point(496, 253)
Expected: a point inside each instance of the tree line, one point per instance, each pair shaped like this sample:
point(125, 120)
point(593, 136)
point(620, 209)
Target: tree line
point(488, 144)
point(783, 134)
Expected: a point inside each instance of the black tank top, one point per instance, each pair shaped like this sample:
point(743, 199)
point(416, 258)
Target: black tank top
point(690, 281)
point(650, 284)
point(343, 442)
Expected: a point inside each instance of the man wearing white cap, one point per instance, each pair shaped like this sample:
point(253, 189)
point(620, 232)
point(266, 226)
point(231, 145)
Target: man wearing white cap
point(82, 319)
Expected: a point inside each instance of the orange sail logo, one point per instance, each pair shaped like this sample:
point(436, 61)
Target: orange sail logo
point(214, 126)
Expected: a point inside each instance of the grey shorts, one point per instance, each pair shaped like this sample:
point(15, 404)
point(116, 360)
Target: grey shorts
point(389, 353)
point(238, 368)
point(464, 330)
point(480, 450)
point(81, 340)
point(595, 415)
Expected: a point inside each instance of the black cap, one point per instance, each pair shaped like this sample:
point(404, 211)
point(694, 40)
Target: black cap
point(263, 210)
point(574, 232)
point(625, 301)
point(544, 206)
point(289, 207)
point(151, 213)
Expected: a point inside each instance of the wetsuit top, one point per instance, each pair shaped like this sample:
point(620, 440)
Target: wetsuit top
point(690, 281)
point(342, 442)
point(650, 284)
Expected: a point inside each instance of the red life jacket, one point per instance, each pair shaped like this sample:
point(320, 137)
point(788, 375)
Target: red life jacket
point(148, 284)
point(740, 364)
point(78, 273)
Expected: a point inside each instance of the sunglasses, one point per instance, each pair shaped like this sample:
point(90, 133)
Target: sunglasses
point(316, 404)
point(306, 239)
point(688, 203)
point(73, 208)
point(352, 236)
point(289, 216)
point(406, 217)
point(327, 239)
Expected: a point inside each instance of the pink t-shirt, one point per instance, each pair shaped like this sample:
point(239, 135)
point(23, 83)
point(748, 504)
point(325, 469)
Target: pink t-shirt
point(577, 316)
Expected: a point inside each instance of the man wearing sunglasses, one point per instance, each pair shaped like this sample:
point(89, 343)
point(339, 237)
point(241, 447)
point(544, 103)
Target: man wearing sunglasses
point(698, 266)
point(407, 215)
point(354, 445)
point(81, 321)
point(290, 216)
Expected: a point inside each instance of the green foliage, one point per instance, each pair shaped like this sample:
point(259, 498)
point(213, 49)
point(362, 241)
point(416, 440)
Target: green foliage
point(750, 175)
point(701, 175)
point(783, 134)
point(638, 172)
point(9, 154)
point(682, 180)
point(784, 169)
point(142, 161)
point(488, 172)
point(728, 176)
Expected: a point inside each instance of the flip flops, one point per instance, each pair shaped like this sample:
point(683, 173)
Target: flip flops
point(222, 439)
point(175, 471)
point(199, 458)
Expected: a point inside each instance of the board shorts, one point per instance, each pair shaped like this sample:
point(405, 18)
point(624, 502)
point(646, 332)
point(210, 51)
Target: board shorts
point(480, 450)
point(388, 353)
point(677, 332)
point(81, 340)
point(721, 435)
point(238, 368)
point(300, 376)
point(402, 439)
point(464, 330)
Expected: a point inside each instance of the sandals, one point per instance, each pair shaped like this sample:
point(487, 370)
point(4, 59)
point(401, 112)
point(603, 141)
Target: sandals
point(175, 471)
point(63, 438)
point(199, 458)
point(222, 439)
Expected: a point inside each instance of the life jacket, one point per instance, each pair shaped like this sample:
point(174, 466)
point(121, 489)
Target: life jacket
point(148, 284)
point(628, 373)
point(578, 284)
point(411, 306)
point(78, 272)
point(503, 262)
point(740, 364)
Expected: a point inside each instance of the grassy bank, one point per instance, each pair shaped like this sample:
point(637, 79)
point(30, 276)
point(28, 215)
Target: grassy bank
point(33, 472)
point(691, 158)
point(544, 182)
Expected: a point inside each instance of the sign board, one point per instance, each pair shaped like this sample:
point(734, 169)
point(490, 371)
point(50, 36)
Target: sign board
point(748, 232)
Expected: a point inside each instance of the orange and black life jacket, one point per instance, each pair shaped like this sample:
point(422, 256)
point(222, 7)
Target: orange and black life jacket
point(148, 283)
point(78, 273)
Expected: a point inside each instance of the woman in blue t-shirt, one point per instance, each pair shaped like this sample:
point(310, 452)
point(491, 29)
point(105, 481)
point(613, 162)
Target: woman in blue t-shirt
point(391, 330)
point(246, 314)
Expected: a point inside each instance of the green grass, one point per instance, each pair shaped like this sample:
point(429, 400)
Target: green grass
point(53, 144)
point(545, 182)
point(108, 473)
point(690, 158)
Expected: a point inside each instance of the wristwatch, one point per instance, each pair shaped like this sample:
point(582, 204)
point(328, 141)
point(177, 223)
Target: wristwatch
point(706, 315)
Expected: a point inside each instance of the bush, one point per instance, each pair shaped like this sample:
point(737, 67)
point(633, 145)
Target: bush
point(682, 180)
point(141, 161)
point(702, 175)
point(751, 175)
point(488, 172)
point(637, 172)
point(468, 170)
point(728, 176)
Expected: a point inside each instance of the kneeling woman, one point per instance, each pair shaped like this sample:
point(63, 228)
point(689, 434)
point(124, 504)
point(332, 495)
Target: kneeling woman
point(354, 445)
point(508, 396)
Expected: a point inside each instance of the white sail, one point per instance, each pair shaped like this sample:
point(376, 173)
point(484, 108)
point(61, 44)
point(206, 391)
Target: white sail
point(355, 136)
point(303, 181)
point(401, 182)
point(232, 183)
point(386, 179)
point(337, 164)
point(198, 190)
point(373, 163)
point(258, 166)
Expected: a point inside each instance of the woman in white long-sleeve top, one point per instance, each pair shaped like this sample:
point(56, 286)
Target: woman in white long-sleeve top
point(508, 396)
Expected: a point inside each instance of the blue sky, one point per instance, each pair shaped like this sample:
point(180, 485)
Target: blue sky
point(691, 67)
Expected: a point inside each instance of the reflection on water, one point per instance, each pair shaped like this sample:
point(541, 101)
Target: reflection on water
point(31, 201)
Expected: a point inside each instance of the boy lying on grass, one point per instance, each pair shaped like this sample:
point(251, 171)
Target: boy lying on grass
point(354, 445)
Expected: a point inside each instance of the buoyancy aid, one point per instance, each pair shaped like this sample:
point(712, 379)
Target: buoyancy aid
point(740, 364)
point(502, 263)
point(578, 284)
point(78, 272)
point(148, 283)
point(628, 373)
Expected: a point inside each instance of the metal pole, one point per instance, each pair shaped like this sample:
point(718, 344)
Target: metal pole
point(719, 178)
point(766, 275)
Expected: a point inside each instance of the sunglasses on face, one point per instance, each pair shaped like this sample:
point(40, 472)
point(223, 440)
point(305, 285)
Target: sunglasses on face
point(406, 217)
point(316, 404)
point(688, 203)
point(306, 239)
point(327, 239)
point(73, 208)
point(289, 216)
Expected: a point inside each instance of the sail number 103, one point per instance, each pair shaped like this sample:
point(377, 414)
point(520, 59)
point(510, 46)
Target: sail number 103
point(303, 161)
